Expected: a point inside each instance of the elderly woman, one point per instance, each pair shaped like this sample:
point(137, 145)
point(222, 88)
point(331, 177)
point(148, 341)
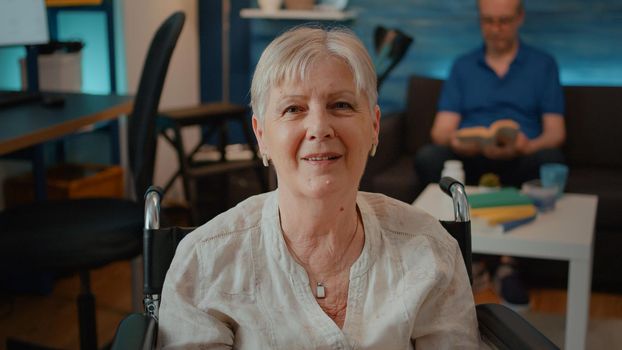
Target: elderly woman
point(317, 264)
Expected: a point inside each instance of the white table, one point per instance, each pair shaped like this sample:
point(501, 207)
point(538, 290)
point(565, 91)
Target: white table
point(565, 233)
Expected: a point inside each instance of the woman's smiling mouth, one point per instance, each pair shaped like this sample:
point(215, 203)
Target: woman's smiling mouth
point(320, 157)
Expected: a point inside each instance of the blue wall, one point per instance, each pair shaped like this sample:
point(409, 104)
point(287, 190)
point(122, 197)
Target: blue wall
point(90, 28)
point(9, 67)
point(585, 37)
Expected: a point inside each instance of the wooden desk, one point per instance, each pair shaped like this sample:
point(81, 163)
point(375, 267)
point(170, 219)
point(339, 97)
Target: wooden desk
point(30, 125)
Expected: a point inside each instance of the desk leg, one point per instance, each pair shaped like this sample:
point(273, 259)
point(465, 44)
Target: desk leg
point(38, 172)
point(115, 145)
point(578, 304)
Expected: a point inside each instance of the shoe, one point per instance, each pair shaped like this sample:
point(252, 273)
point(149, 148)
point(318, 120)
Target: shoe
point(511, 289)
point(481, 277)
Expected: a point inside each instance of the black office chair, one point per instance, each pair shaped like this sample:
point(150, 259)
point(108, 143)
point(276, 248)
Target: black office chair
point(82, 234)
point(500, 327)
point(390, 46)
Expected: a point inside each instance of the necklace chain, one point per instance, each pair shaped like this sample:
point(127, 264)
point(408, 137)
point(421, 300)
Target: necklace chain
point(320, 287)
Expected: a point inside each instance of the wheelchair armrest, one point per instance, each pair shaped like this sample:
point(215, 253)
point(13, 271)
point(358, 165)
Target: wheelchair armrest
point(505, 329)
point(136, 331)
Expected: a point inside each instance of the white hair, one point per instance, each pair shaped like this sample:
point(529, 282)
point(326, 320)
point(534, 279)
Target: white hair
point(290, 56)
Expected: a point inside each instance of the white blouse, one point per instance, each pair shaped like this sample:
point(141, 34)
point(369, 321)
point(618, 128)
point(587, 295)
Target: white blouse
point(234, 284)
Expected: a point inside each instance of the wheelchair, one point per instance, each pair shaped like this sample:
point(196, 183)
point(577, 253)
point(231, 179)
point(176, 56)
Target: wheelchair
point(499, 326)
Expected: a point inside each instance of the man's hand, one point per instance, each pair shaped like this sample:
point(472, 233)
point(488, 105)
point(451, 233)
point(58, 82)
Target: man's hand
point(466, 149)
point(506, 151)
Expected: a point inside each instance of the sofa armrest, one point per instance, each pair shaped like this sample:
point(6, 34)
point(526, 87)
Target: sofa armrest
point(136, 331)
point(505, 329)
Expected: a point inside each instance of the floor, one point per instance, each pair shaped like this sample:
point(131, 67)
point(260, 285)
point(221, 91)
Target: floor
point(52, 320)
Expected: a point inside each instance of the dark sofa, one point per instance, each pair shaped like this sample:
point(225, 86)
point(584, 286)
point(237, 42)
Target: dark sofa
point(593, 152)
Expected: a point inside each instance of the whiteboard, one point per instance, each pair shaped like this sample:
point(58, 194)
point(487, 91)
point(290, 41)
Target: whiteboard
point(23, 22)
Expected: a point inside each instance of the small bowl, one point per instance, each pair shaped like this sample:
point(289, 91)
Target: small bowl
point(544, 198)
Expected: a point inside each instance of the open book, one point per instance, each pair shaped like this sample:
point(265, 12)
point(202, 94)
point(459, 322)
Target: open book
point(503, 132)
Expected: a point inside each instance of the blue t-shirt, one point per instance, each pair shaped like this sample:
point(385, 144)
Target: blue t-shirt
point(529, 89)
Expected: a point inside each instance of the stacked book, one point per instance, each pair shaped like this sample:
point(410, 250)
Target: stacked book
point(506, 208)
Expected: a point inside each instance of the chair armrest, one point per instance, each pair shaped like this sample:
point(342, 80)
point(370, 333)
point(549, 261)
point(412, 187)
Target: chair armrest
point(505, 329)
point(136, 331)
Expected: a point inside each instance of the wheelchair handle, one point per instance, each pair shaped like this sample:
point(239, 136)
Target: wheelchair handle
point(153, 197)
point(455, 189)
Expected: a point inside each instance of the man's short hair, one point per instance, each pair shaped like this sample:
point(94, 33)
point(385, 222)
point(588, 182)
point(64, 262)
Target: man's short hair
point(519, 8)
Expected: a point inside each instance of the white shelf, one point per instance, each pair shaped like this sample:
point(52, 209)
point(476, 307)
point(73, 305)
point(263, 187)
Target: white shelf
point(317, 15)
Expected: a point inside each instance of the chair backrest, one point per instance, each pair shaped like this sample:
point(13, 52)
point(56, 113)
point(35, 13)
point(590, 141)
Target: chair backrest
point(159, 249)
point(142, 135)
point(390, 47)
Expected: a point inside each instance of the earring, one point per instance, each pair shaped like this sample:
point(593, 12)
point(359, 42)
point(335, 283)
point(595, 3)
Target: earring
point(264, 159)
point(372, 152)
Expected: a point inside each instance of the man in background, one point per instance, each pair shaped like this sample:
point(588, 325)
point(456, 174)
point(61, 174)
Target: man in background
point(504, 79)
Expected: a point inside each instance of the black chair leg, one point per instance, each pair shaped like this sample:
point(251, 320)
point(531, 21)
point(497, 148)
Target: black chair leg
point(86, 321)
point(86, 314)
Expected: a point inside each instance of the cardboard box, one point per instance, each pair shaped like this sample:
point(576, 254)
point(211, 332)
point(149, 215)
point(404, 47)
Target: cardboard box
point(68, 181)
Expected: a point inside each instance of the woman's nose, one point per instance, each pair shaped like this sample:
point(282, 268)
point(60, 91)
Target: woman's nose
point(319, 125)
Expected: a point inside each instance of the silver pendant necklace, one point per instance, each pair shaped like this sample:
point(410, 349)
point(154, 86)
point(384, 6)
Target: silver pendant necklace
point(320, 290)
point(320, 293)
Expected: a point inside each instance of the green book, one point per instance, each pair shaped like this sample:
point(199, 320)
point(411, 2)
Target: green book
point(503, 197)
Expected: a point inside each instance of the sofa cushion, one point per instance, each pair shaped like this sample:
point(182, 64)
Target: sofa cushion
point(389, 150)
point(607, 185)
point(593, 123)
point(389, 146)
point(420, 111)
point(398, 181)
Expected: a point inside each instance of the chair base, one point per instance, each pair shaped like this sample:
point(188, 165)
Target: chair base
point(86, 320)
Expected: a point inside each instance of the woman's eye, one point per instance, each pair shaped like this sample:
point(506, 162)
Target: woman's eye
point(342, 105)
point(293, 109)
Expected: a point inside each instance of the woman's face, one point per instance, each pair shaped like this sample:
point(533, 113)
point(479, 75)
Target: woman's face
point(318, 132)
